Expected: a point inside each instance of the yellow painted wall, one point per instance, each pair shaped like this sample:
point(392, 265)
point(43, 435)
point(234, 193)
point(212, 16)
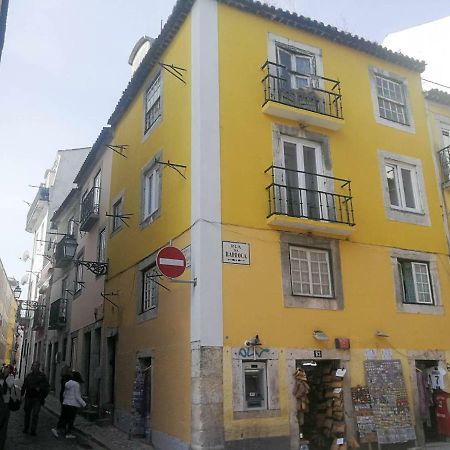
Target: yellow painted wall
point(168, 336)
point(252, 295)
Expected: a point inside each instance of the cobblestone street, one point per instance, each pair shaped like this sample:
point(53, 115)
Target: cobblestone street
point(17, 440)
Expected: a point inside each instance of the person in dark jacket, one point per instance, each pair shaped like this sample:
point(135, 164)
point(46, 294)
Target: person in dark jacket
point(35, 388)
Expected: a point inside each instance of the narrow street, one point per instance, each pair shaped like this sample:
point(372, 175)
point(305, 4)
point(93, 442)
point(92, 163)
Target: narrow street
point(17, 440)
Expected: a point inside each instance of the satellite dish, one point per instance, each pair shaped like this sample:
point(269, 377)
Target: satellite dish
point(24, 280)
point(25, 256)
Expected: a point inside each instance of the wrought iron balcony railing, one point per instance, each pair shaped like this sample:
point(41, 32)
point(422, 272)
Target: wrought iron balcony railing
point(58, 314)
point(319, 94)
point(444, 159)
point(296, 193)
point(42, 197)
point(90, 209)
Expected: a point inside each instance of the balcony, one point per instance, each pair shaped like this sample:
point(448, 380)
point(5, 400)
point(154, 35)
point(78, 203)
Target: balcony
point(58, 314)
point(90, 209)
point(317, 103)
point(65, 251)
point(444, 160)
point(39, 204)
point(39, 318)
point(309, 201)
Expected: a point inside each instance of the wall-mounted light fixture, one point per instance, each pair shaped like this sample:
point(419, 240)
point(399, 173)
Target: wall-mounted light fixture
point(319, 335)
point(380, 333)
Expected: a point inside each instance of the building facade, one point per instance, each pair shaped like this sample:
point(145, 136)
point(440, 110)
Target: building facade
point(296, 174)
point(58, 182)
point(8, 309)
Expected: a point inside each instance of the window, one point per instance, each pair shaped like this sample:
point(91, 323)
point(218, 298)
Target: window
point(415, 281)
point(152, 103)
point(79, 275)
point(101, 246)
point(391, 99)
point(117, 212)
point(255, 385)
point(151, 192)
point(71, 227)
point(298, 68)
point(310, 272)
point(97, 187)
point(402, 186)
point(149, 288)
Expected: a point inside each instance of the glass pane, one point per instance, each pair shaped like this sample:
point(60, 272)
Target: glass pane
point(311, 182)
point(284, 59)
point(293, 195)
point(391, 177)
point(408, 188)
point(303, 65)
point(408, 282)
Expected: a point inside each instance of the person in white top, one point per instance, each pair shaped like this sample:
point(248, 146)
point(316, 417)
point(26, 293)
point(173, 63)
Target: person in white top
point(71, 403)
point(6, 383)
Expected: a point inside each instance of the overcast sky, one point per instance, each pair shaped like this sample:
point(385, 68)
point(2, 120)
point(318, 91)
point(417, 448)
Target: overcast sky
point(64, 66)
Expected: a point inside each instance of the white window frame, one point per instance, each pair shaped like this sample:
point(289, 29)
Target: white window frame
point(400, 187)
point(377, 72)
point(414, 266)
point(309, 252)
point(150, 292)
point(151, 186)
point(153, 102)
point(420, 214)
point(400, 107)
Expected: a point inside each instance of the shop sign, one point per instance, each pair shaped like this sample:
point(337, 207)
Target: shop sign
point(317, 353)
point(236, 253)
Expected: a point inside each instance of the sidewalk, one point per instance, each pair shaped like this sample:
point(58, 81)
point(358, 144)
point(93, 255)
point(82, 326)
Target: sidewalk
point(107, 436)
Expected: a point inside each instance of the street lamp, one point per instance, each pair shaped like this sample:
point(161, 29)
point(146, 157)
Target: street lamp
point(17, 291)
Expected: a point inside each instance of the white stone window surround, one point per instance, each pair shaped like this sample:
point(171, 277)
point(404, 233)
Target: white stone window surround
point(419, 216)
point(417, 308)
point(270, 357)
point(152, 313)
point(373, 71)
point(151, 165)
point(147, 85)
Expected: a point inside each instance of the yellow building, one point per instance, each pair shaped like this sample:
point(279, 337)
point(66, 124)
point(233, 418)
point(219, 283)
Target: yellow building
point(292, 164)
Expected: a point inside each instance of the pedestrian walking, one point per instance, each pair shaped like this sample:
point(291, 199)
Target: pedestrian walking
point(35, 388)
point(72, 402)
point(6, 385)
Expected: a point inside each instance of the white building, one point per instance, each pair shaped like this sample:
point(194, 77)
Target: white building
point(58, 182)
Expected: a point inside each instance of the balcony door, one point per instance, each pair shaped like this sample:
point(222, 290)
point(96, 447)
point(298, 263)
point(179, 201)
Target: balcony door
point(297, 69)
point(302, 189)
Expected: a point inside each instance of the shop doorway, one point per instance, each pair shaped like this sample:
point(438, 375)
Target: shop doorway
point(320, 402)
point(430, 380)
point(143, 398)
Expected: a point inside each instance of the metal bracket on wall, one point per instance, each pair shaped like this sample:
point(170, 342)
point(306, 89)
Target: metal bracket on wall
point(110, 294)
point(96, 267)
point(119, 149)
point(175, 71)
point(153, 277)
point(173, 166)
point(122, 217)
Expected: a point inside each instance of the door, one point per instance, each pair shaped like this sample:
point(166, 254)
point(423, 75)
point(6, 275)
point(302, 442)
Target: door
point(302, 190)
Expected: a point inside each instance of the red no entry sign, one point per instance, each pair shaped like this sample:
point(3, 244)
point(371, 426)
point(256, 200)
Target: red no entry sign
point(171, 262)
